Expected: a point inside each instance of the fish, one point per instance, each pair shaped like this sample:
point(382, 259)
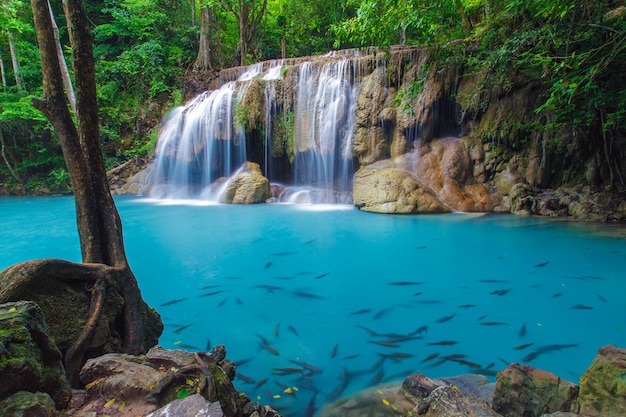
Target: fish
point(381, 313)
point(446, 318)
point(443, 343)
point(492, 281)
point(333, 352)
point(181, 328)
point(466, 306)
point(311, 368)
point(283, 253)
point(322, 275)
point(242, 362)
point(419, 330)
point(208, 294)
point(522, 330)
point(349, 357)
point(501, 292)
point(269, 348)
point(238, 301)
point(484, 371)
point(169, 303)
point(208, 287)
point(416, 294)
point(542, 264)
point(405, 283)
point(260, 383)
point(396, 356)
point(467, 363)
point(421, 247)
point(305, 294)
point(287, 371)
point(268, 287)
point(293, 330)
point(494, 323)
point(383, 343)
point(208, 345)
point(581, 307)
point(267, 265)
point(221, 303)
point(558, 294)
point(310, 407)
point(364, 311)
point(277, 330)
point(430, 357)
point(245, 378)
point(378, 376)
point(586, 278)
point(601, 298)
point(369, 331)
point(524, 346)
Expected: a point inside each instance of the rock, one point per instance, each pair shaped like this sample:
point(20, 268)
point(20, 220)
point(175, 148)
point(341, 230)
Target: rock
point(473, 384)
point(28, 404)
point(603, 385)
point(193, 406)
point(522, 390)
point(247, 186)
point(393, 190)
point(440, 399)
point(380, 400)
point(29, 358)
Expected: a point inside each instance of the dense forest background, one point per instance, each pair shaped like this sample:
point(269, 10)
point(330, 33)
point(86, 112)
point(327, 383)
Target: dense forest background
point(574, 50)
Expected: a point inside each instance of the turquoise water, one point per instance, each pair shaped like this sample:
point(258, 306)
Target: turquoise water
point(342, 293)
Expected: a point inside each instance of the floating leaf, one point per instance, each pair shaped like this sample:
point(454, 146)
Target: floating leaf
point(182, 394)
point(109, 403)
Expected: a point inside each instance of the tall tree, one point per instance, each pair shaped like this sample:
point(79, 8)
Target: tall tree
point(249, 14)
point(99, 226)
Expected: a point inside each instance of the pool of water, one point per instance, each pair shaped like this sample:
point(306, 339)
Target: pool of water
point(326, 300)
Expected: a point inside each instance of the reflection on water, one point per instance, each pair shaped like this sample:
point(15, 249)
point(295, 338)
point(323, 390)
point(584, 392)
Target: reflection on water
point(329, 299)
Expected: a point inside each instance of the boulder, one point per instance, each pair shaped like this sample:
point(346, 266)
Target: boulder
point(603, 385)
point(29, 358)
point(522, 390)
point(437, 398)
point(192, 406)
point(28, 404)
point(393, 190)
point(247, 186)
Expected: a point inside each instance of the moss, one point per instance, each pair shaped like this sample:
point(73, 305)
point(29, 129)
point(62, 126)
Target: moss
point(283, 136)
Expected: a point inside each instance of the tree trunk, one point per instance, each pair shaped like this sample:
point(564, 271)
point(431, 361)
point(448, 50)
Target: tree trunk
point(203, 61)
point(99, 225)
point(244, 15)
point(4, 78)
point(14, 61)
point(69, 90)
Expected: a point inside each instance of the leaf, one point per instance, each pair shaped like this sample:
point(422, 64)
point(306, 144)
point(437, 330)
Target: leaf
point(122, 406)
point(109, 403)
point(182, 394)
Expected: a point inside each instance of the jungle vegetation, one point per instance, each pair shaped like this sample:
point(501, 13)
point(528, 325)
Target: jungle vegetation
point(575, 50)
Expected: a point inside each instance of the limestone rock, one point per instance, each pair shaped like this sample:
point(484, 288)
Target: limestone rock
point(393, 190)
point(28, 404)
point(193, 406)
point(603, 385)
point(247, 186)
point(522, 390)
point(439, 399)
point(29, 358)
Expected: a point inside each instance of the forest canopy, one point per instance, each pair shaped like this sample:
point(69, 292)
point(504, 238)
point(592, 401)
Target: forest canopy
point(143, 48)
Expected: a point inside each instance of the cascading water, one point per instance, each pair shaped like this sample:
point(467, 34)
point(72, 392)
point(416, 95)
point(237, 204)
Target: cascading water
point(202, 142)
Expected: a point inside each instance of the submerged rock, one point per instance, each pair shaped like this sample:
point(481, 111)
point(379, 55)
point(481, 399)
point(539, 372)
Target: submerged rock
point(28, 404)
point(522, 390)
point(29, 358)
point(603, 385)
point(193, 406)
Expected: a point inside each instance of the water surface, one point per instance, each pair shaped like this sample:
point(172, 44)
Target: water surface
point(364, 298)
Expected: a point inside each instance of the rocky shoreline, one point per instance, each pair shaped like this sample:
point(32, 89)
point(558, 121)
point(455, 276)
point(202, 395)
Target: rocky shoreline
point(180, 383)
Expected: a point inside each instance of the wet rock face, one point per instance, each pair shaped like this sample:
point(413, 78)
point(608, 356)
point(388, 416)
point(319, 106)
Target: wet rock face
point(29, 358)
point(248, 186)
point(603, 385)
point(522, 390)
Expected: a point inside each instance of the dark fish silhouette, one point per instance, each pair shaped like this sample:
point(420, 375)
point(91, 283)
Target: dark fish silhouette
point(287, 371)
point(169, 303)
point(245, 378)
point(181, 328)
point(601, 298)
point(558, 294)
point(333, 352)
point(260, 383)
point(493, 281)
point(430, 357)
point(221, 303)
point(364, 311)
point(581, 307)
point(293, 330)
point(267, 265)
point(242, 361)
point(305, 294)
point(522, 330)
point(542, 264)
point(494, 323)
point(208, 345)
point(311, 368)
point(501, 292)
point(310, 407)
point(381, 313)
point(268, 287)
point(277, 330)
point(378, 376)
point(283, 253)
point(208, 287)
point(416, 294)
point(405, 283)
point(524, 346)
point(419, 330)
point(466, 306)
point(443, 343)
point(322, 275)
point(209, 294)
point(446, 318)
point(269, 348)
point(396, 356)
point(238, 301)
point(421, 247)
point(383, 343)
